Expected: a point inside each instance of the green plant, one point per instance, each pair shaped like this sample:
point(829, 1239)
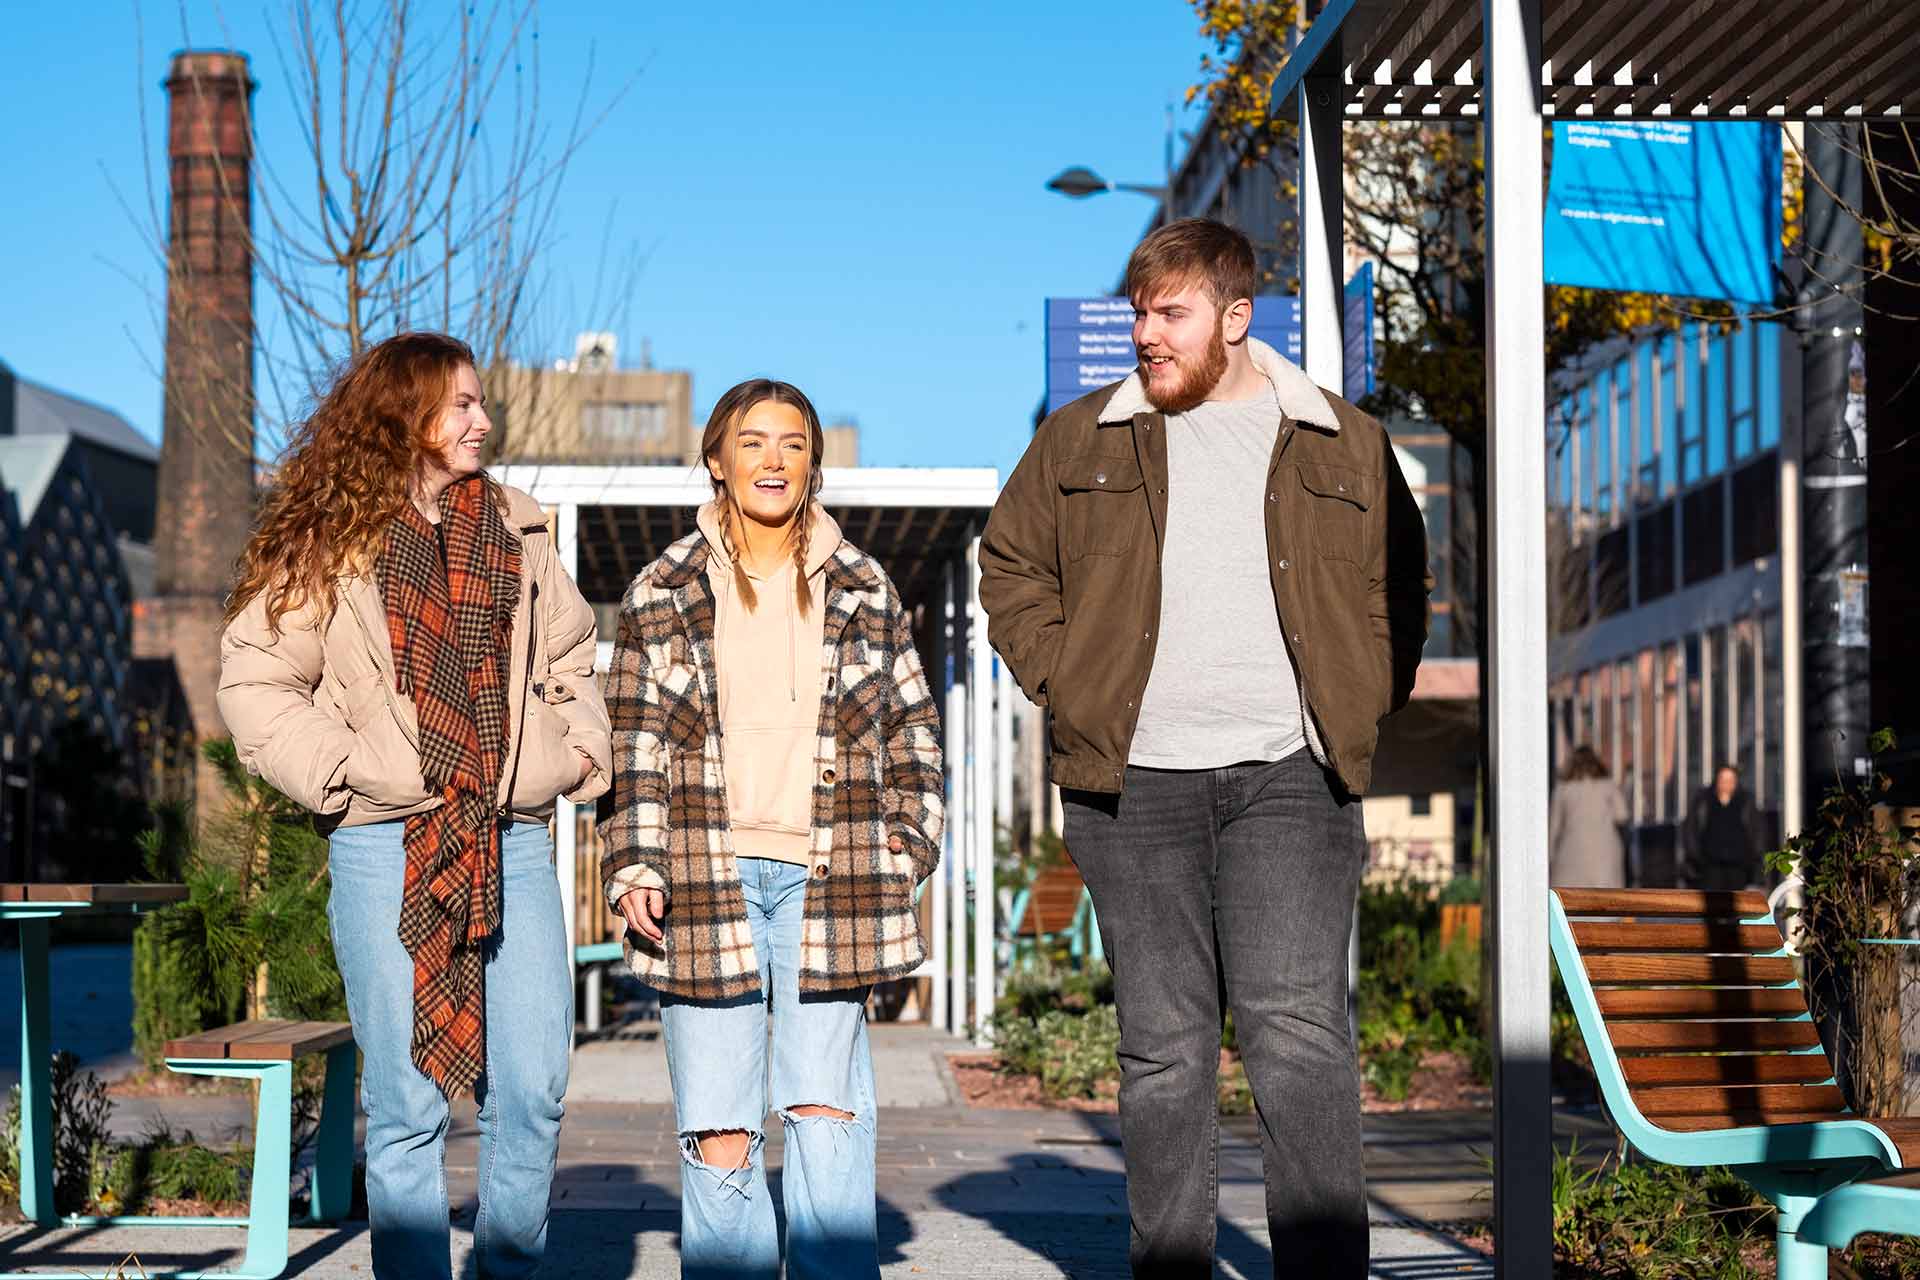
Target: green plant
point(81, 1112)
point(1861, 880)
point(163, 1166)
point(251, 940)
point(1072, 1054)
point(1637, 1220)
point(1460, 891)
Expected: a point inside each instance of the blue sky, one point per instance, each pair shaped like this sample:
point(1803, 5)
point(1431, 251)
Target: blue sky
point(849, 196)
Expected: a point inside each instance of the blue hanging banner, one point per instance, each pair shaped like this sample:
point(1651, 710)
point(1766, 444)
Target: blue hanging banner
point(1691, 209)
point(1357, 323)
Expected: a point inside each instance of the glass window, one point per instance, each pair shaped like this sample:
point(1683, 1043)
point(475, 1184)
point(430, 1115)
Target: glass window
point(1646, 421)
point(1603, 716)
point(1716, 419)
point(1767, 383)
point(1583, 721)
point(1695, 742)
point(1667, 806)
point(1742, 341)
point(1719, 676)
point(1647, 787)
point(1626, 767)
point(1666, 412)
point(1632, 454)
point(1592, 409)
point(1743, 659)
point(1687, 408)
point(1769, 785)
point(1582, 458)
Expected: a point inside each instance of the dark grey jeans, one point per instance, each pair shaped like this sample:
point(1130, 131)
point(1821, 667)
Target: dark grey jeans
point(1238, 880)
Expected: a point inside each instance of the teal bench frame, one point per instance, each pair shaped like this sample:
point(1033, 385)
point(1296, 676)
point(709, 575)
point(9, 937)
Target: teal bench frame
point(1791, 1165)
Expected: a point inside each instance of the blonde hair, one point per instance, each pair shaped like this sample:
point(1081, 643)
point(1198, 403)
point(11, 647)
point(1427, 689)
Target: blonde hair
point(722, 427)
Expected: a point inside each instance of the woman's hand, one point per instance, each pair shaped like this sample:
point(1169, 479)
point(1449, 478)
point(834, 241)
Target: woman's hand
point(586, 768)
point(642, 909)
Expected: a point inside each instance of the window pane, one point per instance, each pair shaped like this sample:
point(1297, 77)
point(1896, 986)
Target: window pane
point(1627, 765)
point(1647, 791)
point(1742, 342)
point(1671, 709)
point(1603, 714)
point(1593, 409)
point(1715, 421)
point(1746, 702)
point(1770, 784)
point(1696, 724)
point(1665, 422)
point(1718, 678)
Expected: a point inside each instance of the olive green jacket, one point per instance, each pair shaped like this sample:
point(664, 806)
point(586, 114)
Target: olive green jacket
point(1070, 572)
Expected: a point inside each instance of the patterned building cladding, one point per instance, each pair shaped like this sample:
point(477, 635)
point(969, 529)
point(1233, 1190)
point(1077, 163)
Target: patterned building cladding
point(64, 598)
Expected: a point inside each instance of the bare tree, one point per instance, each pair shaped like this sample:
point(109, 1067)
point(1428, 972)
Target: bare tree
point(421, 192)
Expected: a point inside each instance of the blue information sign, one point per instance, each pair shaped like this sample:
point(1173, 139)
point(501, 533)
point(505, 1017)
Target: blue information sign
point(1665, 206)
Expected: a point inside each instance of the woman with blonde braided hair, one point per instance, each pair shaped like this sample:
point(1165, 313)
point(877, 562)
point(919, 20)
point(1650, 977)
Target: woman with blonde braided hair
point(776, 800)
point(406, 656)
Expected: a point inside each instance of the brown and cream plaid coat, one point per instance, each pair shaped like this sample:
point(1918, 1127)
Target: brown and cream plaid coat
point(876, 769)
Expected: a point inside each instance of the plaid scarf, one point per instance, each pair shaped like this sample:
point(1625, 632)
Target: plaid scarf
point(451, 624)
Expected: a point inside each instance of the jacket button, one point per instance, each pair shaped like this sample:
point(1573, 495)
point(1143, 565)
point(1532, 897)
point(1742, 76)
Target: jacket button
point(819, 871)
point(1272, 497)
point(1100, 478)
point(827, 775)
point(1297, 639)
point(1283, 564)
point(1342, 488)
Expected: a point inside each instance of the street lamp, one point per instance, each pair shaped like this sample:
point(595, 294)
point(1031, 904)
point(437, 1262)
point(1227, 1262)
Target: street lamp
point(1080, 182)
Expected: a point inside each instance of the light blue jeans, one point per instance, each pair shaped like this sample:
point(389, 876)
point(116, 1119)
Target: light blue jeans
point(717, 1054)
point(529, 1023)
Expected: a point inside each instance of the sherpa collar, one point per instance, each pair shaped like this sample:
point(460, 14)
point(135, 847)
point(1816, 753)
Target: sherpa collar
point(1300, 400)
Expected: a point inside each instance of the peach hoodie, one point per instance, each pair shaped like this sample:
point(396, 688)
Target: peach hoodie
point(769, 662)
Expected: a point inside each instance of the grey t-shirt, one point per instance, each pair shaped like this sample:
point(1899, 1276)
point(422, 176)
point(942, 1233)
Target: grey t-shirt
point(1222, 689)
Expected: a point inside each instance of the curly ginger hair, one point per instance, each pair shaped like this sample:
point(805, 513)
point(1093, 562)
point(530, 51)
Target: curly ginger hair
point(346, 474)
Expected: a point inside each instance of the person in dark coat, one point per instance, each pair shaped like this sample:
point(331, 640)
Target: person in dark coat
point(1720, 837)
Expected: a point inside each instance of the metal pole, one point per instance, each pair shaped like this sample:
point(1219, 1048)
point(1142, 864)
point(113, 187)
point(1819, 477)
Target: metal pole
point(1321, 246)
point(959, 778)
point(937, 1006)
point(1517, 651)
point(566, 545)
point(986, 770)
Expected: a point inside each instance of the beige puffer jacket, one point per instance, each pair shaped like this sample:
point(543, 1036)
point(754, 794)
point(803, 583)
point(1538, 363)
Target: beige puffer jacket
point(314, 710)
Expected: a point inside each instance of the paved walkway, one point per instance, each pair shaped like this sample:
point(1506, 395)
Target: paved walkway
point(1002, 1195)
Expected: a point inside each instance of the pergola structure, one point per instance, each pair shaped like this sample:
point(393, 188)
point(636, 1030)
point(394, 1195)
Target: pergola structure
point(923, 524)
point(1511, 64)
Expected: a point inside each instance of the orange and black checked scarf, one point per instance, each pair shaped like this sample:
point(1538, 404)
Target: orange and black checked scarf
point(451, 626)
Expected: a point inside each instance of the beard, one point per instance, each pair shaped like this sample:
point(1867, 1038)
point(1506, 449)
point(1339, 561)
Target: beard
point(1192, 383)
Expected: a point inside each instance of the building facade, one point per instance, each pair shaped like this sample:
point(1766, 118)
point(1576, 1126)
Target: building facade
point(1664, 508)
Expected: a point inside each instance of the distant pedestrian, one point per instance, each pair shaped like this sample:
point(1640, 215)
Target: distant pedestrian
point(1214, 577)
point(777, 796)
point(1583, 826)
point(406, 656)
point(1721, 835)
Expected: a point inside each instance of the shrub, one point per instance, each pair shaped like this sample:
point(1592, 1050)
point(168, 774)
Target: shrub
point(1072, 1054)
point(81, 1111)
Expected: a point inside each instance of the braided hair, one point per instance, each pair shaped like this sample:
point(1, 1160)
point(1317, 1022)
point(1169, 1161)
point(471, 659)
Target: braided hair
point(721, 426)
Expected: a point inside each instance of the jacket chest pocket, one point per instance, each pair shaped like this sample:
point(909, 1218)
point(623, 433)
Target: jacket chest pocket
point(683, 710)
point(1334, 508)
point(1103, 504)
point(860, 699)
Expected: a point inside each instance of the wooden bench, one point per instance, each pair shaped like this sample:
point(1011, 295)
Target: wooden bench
point(1706, 1054)
point(1056, 904)
point(265, 1051)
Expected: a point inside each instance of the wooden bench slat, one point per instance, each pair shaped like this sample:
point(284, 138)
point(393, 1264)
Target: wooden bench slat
point(300, 1039)
point(1706, 937)
point(1744, 1119)
point(1721, 903)
point(1713, 1101)
point(1701, 1002)
point(1672, 970)
point(1728, 1069)
point(1711, 1037)
point(261, 1040)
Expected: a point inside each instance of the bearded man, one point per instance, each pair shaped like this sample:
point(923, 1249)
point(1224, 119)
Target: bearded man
point(1213, 577)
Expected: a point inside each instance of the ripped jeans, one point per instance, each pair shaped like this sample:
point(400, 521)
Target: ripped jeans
point(717, 1054)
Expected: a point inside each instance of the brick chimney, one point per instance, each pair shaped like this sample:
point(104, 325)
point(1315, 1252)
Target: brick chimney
point(205, 500)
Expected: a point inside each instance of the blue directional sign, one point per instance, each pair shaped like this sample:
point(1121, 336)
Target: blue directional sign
point(1665, 206)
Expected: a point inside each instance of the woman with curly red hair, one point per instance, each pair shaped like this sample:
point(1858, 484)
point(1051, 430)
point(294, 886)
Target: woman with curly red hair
point(405, 656)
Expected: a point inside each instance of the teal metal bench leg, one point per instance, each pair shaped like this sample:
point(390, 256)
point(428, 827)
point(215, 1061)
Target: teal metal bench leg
point(333, 1146)
point(1865, 1206)
point(36, 1078)
point(1794, 1192)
